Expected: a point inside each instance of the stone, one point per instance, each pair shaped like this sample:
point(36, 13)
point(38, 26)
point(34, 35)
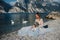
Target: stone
point(53, 15)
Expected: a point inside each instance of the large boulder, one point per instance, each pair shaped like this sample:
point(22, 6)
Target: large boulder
point(53, 15)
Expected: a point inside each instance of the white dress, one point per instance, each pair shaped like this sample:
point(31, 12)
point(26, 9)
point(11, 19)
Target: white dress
point(40, 22)
point(39, 30)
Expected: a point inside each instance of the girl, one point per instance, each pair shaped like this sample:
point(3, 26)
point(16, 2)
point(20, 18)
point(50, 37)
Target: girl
point(38, 21)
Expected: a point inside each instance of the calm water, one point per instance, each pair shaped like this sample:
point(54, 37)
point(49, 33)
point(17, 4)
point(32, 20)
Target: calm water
point(6, 20)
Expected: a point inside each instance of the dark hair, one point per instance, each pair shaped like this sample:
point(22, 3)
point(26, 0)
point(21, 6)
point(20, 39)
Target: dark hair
point(38, 14)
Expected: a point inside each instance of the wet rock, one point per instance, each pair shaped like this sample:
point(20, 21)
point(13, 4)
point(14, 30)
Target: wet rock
point(53, 15)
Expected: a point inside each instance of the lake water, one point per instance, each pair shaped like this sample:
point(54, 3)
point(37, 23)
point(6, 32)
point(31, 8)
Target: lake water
point(10, 22)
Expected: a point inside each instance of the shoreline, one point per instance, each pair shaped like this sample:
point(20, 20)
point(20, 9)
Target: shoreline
point(51, 35)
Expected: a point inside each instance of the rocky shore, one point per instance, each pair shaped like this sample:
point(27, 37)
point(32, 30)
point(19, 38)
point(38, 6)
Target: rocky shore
point(53, 35)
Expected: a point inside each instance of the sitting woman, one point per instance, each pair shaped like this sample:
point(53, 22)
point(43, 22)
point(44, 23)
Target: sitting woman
point(36, 29)
point(38, 21)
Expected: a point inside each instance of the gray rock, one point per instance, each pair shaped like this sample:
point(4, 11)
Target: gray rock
point(53, 15)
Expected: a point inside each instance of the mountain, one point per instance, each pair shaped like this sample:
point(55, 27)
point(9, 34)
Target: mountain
point(15, 9)
point(32, 6)
point(42, 6)
point(2, 9)
point(5, 5)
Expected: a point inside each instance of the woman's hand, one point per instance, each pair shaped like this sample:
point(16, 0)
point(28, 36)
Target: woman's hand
point(33, 28)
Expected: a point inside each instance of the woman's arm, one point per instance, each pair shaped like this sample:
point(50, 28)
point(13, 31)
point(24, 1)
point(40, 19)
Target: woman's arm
point(41, 23)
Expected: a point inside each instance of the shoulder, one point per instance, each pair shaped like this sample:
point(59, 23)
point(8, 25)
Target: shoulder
point(41, 19)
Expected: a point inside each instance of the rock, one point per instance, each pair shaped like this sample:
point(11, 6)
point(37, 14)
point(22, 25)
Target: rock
point(53, 15)
point(2, 10)
point(15, 9)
